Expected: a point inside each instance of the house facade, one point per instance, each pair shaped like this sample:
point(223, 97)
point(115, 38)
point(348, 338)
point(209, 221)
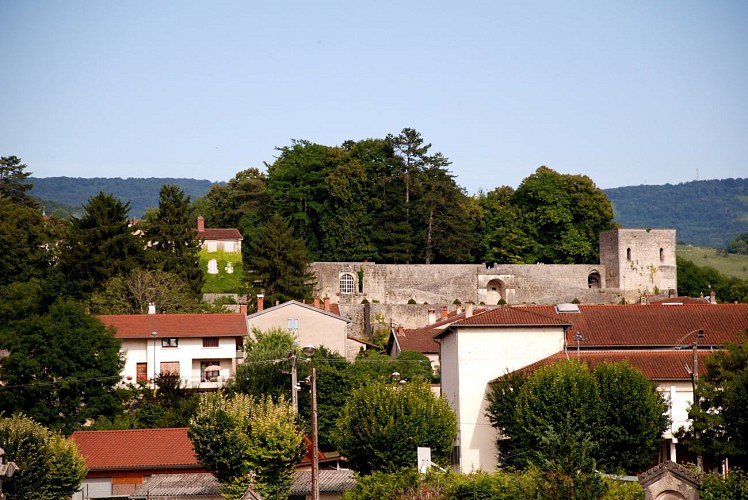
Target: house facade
point(214, 240)
point(203, 349)
point(311, 324)
point(657, 339)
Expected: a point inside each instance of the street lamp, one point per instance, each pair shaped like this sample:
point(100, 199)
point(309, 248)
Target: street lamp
point(154, 335)
point(578, 337)
point(310, 351)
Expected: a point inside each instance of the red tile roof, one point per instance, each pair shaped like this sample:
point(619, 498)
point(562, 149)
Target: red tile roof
point(655, 365)
point(131, 326)
point(422, 339)
point(136, 449)
point(219, 234)
point(628, 325)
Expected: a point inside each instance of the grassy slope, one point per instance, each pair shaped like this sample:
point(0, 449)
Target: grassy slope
point(727, 264)
point(222, 282)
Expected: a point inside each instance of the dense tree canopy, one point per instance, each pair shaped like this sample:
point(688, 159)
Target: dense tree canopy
point(614, 406)
point(382, 425)
point(13, 182)
point(236, 436)
point(61, 369)
point(720, 415)
point(172, 238)
point(100, 245)
point(49, 465)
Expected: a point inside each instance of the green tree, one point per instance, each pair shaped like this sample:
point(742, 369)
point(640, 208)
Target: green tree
point(172, 239)
point(632, 418)
point(277, 263)
point(720, 416)
point(13, 182)
point(62, 368)
point(739, 245)
point(22, 238)
point(381, 426)
point(615, 404)
point(565, 215)
point(236, 436)
point(242, 203)
point(504, 236)
point(100, 245)
point(49, 465)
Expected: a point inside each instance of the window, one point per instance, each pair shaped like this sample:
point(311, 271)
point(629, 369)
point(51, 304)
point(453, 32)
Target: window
point(293, 324)
point(141, 371)
point(212, 246)
point(170, 367)
point(628, 254)
point(212, 266)
point(210, 370)
point(228, 246)
point(662, 255)
point(210, 341)
point(346, 283)
point(170, 342)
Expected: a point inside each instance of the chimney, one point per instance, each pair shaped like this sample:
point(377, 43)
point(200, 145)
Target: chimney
point(243, 309)
point(712, 297)
point(151, 308)
point(643, 300)
point(445, 312)
point(260, 302)
point(468, 309)
point(200, 224)
point(400, 331)
point(432, 317)
point(327, 304)
point(316, 301)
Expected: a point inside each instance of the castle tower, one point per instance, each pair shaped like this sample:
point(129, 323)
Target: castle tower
point(639, 261)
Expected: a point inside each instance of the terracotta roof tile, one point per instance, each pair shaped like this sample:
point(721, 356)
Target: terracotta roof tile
point(423, 339)
point(220, 234)
point(655, 365)
point(136, 449)
point(176, 325)
point(657, 325)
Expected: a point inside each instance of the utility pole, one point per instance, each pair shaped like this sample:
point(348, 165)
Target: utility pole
point(294, 385)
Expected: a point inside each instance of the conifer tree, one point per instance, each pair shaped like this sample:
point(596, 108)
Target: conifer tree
point(13, 183)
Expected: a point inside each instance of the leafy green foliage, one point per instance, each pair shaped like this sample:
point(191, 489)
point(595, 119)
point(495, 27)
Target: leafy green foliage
point(172, 240)
point(14, 184)
point(615, 406)
point(739, 245)
point(62, 367)
point(101, 245)
point(223, 282)
point(695, 281)
point(22, 238)
point(238, 436)
point(277, 263)
point(50, 465)
point(381, 426)
point(716, 487)
point(721, 416)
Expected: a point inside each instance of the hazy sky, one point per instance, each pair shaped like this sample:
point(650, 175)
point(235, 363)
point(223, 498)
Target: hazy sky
point(628, 93)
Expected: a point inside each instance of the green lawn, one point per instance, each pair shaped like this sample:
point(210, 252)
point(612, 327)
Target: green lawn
point(727, 264)
point(223, 282)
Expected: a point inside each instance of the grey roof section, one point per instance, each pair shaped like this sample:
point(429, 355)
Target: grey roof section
point(202, 486)
point(296, 302)
point(330, 481)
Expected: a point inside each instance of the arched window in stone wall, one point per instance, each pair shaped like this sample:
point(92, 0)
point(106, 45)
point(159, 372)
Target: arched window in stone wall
point(346, 283)
point(495, 291)
point(593, 280)
point(628, 254)
point(662, 255)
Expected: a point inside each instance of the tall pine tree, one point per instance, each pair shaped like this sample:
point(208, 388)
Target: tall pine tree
point(173, 244)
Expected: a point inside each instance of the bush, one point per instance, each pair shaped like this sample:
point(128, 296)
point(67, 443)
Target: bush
point(714, 487)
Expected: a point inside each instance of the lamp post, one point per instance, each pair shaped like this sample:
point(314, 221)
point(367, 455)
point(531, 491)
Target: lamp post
point(309, 351)
point(578, 337)
point(154, 335)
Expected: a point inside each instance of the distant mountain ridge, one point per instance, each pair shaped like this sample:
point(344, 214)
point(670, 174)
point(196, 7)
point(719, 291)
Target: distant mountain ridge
point(142, 193)
point(704, 213)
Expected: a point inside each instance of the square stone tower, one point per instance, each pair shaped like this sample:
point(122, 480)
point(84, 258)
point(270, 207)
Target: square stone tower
point(640, 260)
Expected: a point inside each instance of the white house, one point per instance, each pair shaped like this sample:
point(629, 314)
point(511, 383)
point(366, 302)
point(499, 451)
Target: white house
point(658, 339)
point(204, 349)
point(311, 324)
point(224, 239)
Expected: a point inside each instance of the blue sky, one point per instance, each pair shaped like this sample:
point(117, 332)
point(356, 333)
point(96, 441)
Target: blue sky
point(628, 93)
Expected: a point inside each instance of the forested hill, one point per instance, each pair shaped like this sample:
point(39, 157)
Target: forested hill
point(704, 213)
point(141, 193)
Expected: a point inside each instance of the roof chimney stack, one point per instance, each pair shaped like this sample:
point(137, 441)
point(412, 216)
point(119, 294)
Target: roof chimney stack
point(444, 312)
point(468, 309)
point(432, 317)
point(316, 301)
point(260, 302)
point(151, 308)
point(200, 224)
point(327, 304)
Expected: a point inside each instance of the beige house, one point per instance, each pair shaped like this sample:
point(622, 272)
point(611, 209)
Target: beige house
point(310, 324)
point(658, 339)
point(213, 240)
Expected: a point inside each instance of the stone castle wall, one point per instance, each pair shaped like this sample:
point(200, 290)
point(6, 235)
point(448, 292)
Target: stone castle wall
point(633, 263)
